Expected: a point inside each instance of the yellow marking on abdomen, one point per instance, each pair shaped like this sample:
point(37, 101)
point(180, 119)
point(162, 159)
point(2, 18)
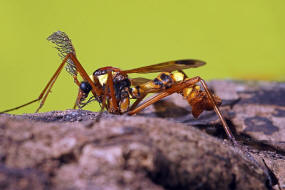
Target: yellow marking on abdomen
point(178, 77)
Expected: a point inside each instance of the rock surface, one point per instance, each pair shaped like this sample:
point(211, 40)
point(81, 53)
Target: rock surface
point(163, 147)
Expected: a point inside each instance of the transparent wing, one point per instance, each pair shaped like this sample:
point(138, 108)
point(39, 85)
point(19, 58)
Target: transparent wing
point(139, 81)
point(168, 66)
point(64, 46)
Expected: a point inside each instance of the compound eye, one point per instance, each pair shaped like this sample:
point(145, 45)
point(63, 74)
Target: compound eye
point(85, 87)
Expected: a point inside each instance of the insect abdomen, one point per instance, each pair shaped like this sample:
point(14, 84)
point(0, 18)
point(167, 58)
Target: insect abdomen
point(163, 81)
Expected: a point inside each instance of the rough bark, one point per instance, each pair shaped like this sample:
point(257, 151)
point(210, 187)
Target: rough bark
point(164, 147)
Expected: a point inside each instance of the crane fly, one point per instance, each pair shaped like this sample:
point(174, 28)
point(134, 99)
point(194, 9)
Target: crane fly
point(113, 89)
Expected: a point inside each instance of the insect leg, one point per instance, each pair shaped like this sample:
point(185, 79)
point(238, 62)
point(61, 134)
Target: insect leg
point(79, 95)
point(218, 112)
point(110, 85)
point(81, 71)
point(136, 103)
point(103, 104)
point(177, 88)
point(45, 90)
point(96, 91)
point(43, 99)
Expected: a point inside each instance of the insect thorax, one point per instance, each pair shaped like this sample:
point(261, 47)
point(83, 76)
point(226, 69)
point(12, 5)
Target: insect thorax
point(121, 85)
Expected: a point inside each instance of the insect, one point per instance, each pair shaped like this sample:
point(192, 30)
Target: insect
point(113, 89)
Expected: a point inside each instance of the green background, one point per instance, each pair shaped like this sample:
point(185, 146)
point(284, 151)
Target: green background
point(242, 39)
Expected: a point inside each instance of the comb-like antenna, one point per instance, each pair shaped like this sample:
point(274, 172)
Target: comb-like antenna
point(64, 46)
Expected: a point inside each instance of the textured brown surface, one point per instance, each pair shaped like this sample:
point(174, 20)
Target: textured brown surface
point(161, 148)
